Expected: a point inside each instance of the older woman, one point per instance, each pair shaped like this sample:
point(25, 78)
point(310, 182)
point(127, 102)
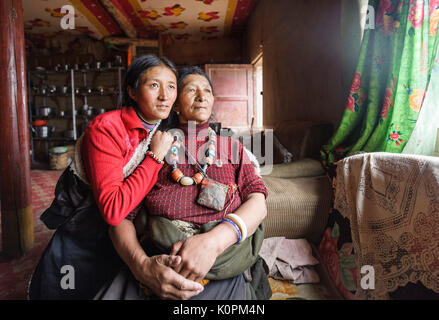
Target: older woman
point(215, 241)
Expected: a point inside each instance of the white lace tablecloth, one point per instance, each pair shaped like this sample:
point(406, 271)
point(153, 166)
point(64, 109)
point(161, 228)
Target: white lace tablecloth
point(392, 202)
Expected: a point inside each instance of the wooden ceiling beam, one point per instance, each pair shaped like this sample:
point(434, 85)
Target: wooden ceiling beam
point(120, 18)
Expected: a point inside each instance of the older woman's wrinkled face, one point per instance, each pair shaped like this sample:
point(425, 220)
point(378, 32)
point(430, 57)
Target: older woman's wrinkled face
point(195, 99)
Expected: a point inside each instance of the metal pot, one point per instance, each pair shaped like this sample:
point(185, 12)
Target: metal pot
point(43, 131)
point(118, 61)
point(45, 111)
point(90, 112)
point(86, 90)
point(52, 89)
point(36, 89)
point(69, 134)
point(64, 89)
point(100, 89)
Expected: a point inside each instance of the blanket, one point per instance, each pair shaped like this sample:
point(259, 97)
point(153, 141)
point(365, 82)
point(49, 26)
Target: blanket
point(290, 260)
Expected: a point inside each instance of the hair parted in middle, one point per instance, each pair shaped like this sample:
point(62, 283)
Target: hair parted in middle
point(134, 72)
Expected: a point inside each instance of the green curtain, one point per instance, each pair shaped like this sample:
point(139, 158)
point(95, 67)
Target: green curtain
point(390, 81)
point(426, 132)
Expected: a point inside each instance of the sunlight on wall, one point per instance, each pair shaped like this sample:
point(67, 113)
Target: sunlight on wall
point(436, 149)
point(352, 23)
point(363, 15)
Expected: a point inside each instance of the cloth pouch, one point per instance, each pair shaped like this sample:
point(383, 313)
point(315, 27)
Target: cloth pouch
point(212, 194)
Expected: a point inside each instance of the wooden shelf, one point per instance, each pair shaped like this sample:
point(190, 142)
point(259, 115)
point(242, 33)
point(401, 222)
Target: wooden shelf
point(69, 95)
point(44, 72)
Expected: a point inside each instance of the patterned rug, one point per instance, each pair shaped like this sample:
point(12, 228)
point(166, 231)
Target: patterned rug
point(15, 273)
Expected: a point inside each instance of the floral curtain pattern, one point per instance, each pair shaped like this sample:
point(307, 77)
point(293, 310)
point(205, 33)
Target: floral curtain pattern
point(390, 81)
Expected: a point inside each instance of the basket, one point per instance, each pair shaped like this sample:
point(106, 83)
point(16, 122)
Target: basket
point(58, 158)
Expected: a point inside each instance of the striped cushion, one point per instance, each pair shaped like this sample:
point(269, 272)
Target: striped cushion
point(297, 208)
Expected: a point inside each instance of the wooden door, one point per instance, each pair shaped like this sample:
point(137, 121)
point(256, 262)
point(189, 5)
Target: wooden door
point(233, 89)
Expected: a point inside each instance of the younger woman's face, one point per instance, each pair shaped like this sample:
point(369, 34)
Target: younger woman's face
point(195, 99)
point(156, 93)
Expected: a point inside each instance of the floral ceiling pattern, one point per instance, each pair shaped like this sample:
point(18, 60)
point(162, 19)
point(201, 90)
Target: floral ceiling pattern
point(181, 20)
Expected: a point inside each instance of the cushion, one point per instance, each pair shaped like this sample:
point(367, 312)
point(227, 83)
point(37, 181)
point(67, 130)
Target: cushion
point(297, 208)
point(301, 168)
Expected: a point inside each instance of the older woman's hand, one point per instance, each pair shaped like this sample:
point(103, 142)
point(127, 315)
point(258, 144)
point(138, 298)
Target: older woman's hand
point(156, 274)
point(198, 253)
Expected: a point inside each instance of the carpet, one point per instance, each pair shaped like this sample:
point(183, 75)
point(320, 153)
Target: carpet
point(15, 273)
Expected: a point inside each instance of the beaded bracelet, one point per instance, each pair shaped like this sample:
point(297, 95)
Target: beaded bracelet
point(236, 228)
point(156, 158)
point(240, 223)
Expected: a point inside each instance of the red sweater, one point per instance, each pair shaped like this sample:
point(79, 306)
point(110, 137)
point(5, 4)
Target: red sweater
point(108, 144)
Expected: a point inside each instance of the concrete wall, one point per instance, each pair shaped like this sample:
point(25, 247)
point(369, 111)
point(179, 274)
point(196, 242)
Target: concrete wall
point(306, 57)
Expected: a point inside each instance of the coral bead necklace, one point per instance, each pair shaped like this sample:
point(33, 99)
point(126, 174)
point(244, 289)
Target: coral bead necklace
point(197, 178)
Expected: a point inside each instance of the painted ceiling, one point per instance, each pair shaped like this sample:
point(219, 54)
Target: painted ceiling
point(179, 20)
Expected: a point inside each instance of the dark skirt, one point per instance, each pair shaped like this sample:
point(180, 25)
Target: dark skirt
point(125, 287)
point(87, 267)
point(80, 257)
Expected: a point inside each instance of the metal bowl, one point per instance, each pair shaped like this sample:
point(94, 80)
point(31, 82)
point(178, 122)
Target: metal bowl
point(64, 89)
point(45, 111)
point(52, 89)
point(43, 131)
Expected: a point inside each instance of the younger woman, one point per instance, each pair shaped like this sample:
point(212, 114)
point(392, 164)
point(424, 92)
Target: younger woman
point(107, 180)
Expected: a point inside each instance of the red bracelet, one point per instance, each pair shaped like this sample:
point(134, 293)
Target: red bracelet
point(156, 158)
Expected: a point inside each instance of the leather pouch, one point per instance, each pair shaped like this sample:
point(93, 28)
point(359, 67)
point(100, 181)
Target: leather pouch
point(212, 194)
